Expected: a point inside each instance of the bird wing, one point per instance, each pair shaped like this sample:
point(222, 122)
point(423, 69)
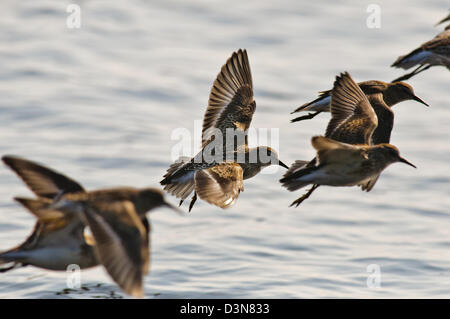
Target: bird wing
point(120, 238)
point(231, 103)
point(329, 151)
point(440, 40)
point(147, 243)
point(42, 181)
point(220, 185)
point(369, 184)
point(353, 119)
point(52, 226)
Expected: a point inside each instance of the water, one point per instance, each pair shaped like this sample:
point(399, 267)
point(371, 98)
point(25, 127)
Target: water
point(100, 103)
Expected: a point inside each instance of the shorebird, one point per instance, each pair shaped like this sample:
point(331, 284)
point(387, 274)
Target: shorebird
point(116, 217)
point(342, 164)
point(382, 95)
point(219, 180)
point(431, 53)
point(353, 121)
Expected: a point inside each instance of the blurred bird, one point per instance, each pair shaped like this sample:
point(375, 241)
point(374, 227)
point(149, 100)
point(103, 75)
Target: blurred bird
point(219, 179)
point(353, 121)
point(432, 53)
point(116, 218)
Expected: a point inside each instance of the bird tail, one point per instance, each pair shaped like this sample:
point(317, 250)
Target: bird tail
point(322, 104)
point(179, 185)
point(411, 59)
point(8, 260)
point(40, 208)
point(292, 178)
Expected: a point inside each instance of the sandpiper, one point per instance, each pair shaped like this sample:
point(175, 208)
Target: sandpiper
point(342, 164)
point(353, 121)
point(57, 241)
point(382, 95)
point(431, 53)
point(116, 218)
point(229, 114)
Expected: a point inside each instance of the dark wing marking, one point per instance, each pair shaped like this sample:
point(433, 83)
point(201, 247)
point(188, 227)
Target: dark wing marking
point(43, 181)
point(385, 116)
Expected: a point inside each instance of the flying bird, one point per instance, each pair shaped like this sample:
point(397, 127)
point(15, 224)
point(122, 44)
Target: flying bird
point(116, 217)
point(354, 121)
point(217, 172)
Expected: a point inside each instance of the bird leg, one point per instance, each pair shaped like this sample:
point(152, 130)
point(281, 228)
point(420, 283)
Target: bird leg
point(181, 202)
point(306, 117)
point(191, 204)
point(304, 196)
point(411, 74)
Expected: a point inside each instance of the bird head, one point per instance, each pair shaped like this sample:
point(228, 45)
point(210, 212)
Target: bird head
point(397, 92)
point(392, 155)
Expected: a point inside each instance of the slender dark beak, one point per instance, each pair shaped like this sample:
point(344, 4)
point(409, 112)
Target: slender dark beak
point(418, 99)
point(282, 164)
point(401, 159)
point(176, 209)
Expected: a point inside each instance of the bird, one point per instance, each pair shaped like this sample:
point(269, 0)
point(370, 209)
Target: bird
point(56, 241)
point(342, 164)
point(217, 172)
point(384, 94)
point(116, 217)
point(354, 121)
point(431, 53)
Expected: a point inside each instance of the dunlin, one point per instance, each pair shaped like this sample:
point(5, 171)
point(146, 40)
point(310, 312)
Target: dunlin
point(116, 218)
point(353, 121)
point(225, 124)
point(57, 240)
point(432, 53)
point(381, 95)
point(342, 164)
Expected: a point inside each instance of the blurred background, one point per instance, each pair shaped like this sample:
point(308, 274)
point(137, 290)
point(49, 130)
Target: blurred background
point(100, 103)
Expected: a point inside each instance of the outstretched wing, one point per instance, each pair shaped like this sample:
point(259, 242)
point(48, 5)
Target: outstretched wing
point(121, 242)
point(353, 119)
point(220, 185)
point(42, 181)
point(231, 103)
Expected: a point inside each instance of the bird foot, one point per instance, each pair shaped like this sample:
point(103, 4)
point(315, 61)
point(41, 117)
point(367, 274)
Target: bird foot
point(306, 117)
point(300, 200)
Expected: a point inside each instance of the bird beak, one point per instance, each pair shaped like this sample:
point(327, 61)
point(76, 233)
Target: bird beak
point(418, 99)
point(282, 164)
point(401, 159)
point(176, 209)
